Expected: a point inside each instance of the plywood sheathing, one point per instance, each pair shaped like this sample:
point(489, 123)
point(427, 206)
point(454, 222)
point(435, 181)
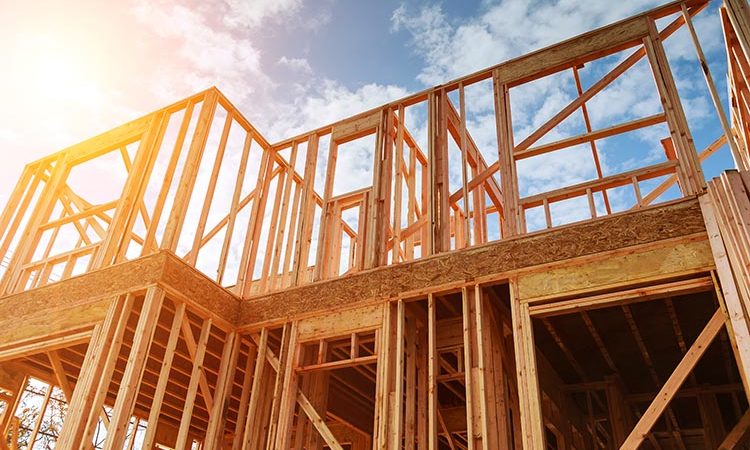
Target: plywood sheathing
point(682, 218)
point(81, 301)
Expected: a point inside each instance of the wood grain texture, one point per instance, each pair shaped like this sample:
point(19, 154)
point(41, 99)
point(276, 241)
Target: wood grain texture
point(82, 301)
point(649, 225)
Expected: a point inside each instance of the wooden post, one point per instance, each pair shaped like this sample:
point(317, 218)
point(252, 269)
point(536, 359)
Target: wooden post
point(512, 223)
point(307, 213)
point(244, 397)
point(439, 194)
point(379, 207)
point(288, 394)
point(79, 407)
point(107, 368)
point(192, 257)
point(690, 169)
point(185, 187)
point(474, 417)
point(528, 383)
point(386, 376)
point(290, 330)
point(397, 407)
point(232, 218)
point(131, 379)
point(166, 368)
point(729, 292)
point(253, 414)
point(433, 403)
point(255, 222)
point(739, 162)
point(187, 412)
point(225, 379)
point(464, 144)
point(399, 171)
point(620, 417)
point(326, 220)
point(490, 374)
point(115, 245)
point(150, 239)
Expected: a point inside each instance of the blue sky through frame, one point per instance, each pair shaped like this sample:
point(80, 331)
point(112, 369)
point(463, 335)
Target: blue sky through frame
point(292, 65)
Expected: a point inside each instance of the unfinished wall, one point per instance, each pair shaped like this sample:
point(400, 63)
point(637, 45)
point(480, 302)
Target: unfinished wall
point(233, 293)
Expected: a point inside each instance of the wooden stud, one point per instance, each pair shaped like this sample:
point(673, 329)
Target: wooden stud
point(187, 412)
point(130, 383)
point(166, 368)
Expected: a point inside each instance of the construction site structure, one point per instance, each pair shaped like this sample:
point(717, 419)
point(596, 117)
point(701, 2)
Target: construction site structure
point(222, 292)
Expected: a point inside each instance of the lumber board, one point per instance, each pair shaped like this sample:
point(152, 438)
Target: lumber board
point(340, 322)
point(490, 261)
point(195, 288)
point(45, 326)
point(661, 262)
point(80, 302)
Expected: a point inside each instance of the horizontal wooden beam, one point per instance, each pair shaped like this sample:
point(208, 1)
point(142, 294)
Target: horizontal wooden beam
point(79, 302)
point(681, 287)
point(601, 184)
point(665, 260)
point(591, 136)
point(344, 363)
point(493, 261)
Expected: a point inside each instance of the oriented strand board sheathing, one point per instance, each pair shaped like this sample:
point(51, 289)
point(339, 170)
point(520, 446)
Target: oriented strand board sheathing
point(638, 227)
point(436, 319)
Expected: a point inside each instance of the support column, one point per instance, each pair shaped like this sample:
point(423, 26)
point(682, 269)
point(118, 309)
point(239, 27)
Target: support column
point(288, 394)
point(306, 213)
point(115, 245)
point(92, 373)
point(379, 205)
point(439, 194)
point(731, 292)
point(513, 216)
point(131, 379)
point(223, 391)
point(528, 382)
point(189, 173)
point(385, 387)
point(326, 219)
point(689, 170)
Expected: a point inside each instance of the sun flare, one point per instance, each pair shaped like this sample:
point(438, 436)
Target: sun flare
point(51, 70)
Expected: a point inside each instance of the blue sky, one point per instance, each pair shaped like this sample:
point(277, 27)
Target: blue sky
point(82, 67)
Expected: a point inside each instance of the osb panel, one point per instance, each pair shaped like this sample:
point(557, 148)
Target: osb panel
point(61, 321)
point(80, 301)
point(80, 290)
point(611, 271)
point(192, 286)
point(606, 234)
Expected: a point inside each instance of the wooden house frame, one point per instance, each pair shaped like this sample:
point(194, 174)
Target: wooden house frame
point(220, 297)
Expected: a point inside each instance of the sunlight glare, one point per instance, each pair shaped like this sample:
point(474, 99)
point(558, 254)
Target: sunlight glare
point(51, 70)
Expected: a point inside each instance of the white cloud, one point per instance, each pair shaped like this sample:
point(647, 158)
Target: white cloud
point(502, 30)
point(297, 64)
point(327, 103)
point(210, 55)
point(251, 13)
